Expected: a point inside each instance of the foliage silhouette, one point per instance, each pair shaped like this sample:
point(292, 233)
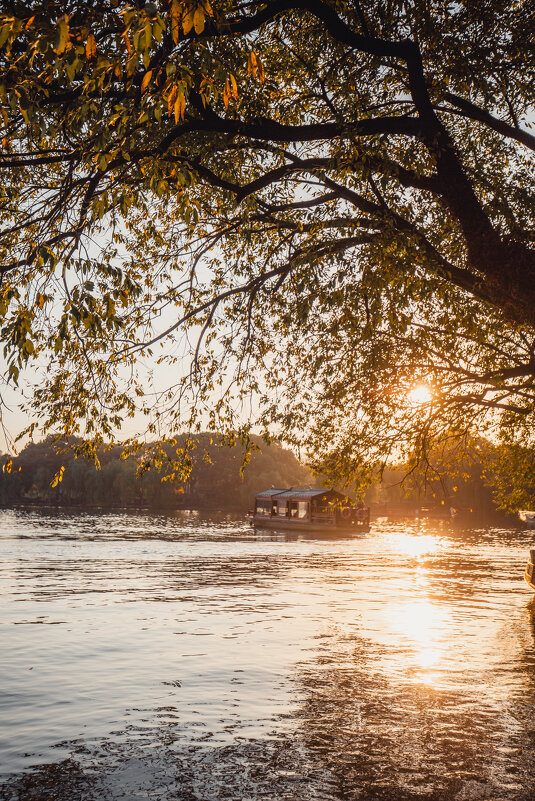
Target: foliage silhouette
point(332, 200)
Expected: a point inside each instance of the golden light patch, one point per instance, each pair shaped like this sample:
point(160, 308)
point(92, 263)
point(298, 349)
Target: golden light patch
point(420, 395)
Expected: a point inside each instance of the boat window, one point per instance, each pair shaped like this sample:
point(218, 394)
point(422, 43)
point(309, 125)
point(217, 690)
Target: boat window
point(282, 508)
point(302, 509)
point(263, 507)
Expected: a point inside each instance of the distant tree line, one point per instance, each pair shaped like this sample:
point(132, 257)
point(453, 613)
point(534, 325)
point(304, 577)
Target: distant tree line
point(214, 482)
point(473, 476)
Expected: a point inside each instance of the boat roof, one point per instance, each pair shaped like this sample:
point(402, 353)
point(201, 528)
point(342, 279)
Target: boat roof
point(311, 492)
point(269, 492)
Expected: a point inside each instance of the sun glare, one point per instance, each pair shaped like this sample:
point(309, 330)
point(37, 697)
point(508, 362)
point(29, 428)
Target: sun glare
point(420, 394)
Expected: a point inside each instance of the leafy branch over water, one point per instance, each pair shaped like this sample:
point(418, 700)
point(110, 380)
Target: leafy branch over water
point(299, 207)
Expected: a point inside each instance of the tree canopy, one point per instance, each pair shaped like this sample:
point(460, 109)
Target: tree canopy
point(331, 201)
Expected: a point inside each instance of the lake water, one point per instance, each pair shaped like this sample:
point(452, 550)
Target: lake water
point(186, 658)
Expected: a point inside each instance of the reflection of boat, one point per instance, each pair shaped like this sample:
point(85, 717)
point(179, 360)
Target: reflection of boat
point(312, 510)
point(527, 517)
point(529, 575)
point(286, 535)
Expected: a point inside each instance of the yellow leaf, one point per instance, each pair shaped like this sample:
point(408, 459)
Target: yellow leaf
point(255, 67)
point(187, 22)
point(29, 23)
point(62, 34)
point(252, 63)
point(180, 105)
point(234, 86)
point(58, 478)
point(91, 47)
point(171, 100)
point(146, 80)
point(8, 466)
point(176, 16)
point(198, 20)
point(127, 42)
point(226, 94)
point(208, 8)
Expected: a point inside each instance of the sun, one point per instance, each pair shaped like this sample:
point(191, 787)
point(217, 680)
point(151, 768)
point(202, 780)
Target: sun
point(420, 394)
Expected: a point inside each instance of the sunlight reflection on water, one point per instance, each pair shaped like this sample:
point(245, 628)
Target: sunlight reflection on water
point(186, 657)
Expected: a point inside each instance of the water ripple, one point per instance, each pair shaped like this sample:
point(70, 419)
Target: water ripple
point(185, 657)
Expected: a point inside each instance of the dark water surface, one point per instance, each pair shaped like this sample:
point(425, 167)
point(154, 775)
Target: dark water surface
point(155, 657)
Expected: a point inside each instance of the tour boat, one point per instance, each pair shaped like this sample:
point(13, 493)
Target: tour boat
point(527, 517)
point(311, 510)
point(529, 575)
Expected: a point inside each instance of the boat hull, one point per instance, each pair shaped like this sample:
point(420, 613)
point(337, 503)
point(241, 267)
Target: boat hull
point(529, 575)
point(527, 518)
point(309, 527)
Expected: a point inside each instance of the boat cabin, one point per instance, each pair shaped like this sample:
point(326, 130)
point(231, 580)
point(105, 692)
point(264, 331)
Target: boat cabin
point(316, 508)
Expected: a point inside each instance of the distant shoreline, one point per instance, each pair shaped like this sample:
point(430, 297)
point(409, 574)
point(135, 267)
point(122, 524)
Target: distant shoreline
point(473, 518)
point(37, 504)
